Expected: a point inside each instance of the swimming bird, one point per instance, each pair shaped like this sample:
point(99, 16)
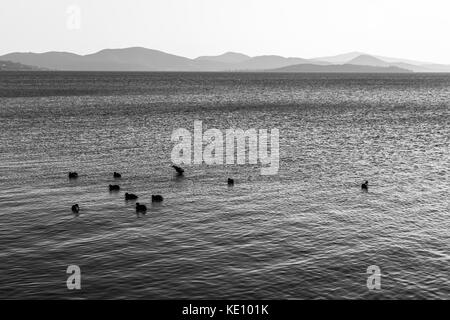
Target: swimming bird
point(140, 207)
point(179, 170)
point(157, 198)
point(114, 187)
point(73, 175)
point(75, 208)
point(230, 182)
point(365, 185)
point(117, 175)
point(130, 196)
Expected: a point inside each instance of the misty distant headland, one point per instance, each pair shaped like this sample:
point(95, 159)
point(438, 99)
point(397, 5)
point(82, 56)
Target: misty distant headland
point(143, 59)
point(14, 66)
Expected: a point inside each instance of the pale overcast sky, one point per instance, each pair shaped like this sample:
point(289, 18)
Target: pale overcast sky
point(415, 29)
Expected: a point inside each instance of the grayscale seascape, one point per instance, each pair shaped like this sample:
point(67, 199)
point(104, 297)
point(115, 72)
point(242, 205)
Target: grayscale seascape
point(308, 232)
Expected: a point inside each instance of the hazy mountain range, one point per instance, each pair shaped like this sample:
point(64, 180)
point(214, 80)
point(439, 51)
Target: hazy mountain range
point(142, 59)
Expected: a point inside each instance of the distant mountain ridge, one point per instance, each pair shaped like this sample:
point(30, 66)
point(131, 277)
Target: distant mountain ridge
point(227, 57)
point(367, 60)
point(143, 59)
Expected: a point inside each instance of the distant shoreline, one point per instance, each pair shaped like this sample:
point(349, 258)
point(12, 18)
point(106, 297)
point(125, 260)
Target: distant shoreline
point(225, 72)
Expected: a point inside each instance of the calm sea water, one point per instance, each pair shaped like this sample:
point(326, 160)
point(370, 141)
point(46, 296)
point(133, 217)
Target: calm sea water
point(306, 233)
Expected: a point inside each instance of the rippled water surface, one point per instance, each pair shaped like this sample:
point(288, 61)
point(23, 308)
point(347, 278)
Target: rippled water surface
point(306, 233)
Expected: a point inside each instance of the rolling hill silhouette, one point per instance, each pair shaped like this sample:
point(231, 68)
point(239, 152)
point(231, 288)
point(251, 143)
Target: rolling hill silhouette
point(367, 60)
point(227, 57)
point(143, 59)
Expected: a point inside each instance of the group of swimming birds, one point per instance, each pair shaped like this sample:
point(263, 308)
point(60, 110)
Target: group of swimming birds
point(156, 198)
point(140, 208)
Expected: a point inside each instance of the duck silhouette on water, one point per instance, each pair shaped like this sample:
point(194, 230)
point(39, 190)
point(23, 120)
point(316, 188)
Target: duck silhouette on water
point(365, 186)
point(75, 208)
point(230, 182)
point(117, 175)
point(179, 170)
point(130, 196)
point(114, 187)
point(140, 208)
point(73, 175)
point(157, 198)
